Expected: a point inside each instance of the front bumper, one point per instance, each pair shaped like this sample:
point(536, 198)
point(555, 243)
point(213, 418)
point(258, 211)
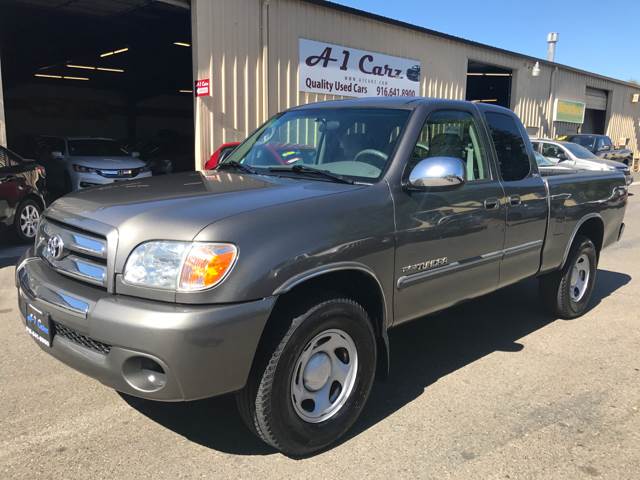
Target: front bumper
point(203, 351)
point(81, 180)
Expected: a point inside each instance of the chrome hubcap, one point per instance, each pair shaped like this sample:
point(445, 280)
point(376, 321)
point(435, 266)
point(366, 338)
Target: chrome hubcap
point(29, 218)
point(324, 376)
point(580, 277)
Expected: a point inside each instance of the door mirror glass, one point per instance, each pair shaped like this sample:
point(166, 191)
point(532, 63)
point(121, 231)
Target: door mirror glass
point(57, 155)
point(437, 173)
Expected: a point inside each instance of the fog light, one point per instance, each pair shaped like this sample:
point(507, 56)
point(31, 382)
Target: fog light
point(144, 373)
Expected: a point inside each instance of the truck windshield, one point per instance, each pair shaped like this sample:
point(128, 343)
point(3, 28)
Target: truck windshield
point(95, 148)
point(351, 142)
point(579, 151)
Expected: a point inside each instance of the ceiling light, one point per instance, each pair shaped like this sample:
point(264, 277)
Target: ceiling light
point(497, 74)
point(114, 52)
point(182, 44)
point(59, 77)
point(184, 90)
point(43, 75)
point(473, 74)
point(84, 67)
point(105, 69)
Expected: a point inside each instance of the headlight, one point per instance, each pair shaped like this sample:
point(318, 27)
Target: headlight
point(182, 266)
point(83, 169)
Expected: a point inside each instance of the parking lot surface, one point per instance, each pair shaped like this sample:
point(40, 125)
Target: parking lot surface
point(494, 388)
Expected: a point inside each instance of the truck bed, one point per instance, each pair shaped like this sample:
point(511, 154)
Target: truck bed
point(575, 198)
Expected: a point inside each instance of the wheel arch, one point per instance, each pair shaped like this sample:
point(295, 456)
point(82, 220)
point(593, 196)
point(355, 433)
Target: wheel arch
point(353, 280)
point(591, 226)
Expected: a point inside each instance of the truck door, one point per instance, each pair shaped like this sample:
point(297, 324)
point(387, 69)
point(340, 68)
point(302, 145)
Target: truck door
point(448, 243)
point(525, 197)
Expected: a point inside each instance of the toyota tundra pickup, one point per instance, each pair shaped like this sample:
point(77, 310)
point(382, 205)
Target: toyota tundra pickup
point(279, 278)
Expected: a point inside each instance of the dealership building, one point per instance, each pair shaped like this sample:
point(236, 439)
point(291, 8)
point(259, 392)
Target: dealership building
point(189, 76)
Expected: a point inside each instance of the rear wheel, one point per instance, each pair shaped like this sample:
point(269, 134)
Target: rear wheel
point(567, 292)
point(26, 220)
point(311, 383)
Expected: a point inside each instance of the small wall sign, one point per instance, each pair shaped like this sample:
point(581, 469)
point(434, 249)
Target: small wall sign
point(202, 88)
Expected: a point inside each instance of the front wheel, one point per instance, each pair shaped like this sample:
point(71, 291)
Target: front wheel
point(312, 382)
point(567, 292)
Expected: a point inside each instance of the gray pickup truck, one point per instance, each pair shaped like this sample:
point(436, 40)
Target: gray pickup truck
point(279, 274)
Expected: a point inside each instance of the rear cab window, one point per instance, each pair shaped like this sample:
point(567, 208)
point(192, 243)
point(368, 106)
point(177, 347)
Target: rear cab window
point(511, 150)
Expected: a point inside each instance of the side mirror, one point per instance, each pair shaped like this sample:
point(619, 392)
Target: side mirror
point(56, 155)
point(442, 173)
point(604, 148)
point(561, 157)
point(135, 154)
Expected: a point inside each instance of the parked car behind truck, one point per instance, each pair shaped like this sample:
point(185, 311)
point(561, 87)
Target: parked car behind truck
point(22, 194)
point(572, 155)
point(280, 282)
point(74, 163)
point(603, 147)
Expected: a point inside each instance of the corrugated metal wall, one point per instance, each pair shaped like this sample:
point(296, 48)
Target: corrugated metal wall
point(249, 51)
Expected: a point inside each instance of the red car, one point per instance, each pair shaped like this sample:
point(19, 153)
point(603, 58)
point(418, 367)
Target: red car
point(277, 153)
point(222, 151)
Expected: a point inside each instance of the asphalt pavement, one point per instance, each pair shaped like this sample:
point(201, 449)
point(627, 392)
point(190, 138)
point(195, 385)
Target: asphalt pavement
point(494, 388)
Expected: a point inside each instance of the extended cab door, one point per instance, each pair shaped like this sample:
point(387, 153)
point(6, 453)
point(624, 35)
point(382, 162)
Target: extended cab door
point(448, 242)
point(525, 196)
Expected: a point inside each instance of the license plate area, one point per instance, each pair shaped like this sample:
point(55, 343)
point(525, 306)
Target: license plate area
point(38, 325)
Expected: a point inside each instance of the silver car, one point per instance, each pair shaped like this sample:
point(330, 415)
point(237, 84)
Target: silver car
point(74, 163)
point(576, 156)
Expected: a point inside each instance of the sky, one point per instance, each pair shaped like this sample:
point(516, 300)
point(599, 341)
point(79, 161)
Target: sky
point(597, 36)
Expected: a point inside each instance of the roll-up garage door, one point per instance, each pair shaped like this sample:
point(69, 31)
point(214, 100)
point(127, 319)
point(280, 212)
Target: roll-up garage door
point(596, 99)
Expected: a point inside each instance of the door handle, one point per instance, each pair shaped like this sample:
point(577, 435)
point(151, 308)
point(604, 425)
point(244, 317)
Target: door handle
point(491, 203)
point(514, 200)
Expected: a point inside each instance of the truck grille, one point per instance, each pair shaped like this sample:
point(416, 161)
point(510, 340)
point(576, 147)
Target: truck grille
point(80, 339)
point(73, 252)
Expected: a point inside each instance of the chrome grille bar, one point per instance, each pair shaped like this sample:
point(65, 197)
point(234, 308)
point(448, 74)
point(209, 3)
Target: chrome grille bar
point(82, 256)
point(76, 241)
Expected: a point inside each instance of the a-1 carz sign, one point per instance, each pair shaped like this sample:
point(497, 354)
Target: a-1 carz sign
point(340, 70)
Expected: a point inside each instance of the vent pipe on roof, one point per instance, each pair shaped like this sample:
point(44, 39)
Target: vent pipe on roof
point(552, 39)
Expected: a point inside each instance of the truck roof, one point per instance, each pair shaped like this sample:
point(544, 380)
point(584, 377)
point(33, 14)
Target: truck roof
point(408, 103)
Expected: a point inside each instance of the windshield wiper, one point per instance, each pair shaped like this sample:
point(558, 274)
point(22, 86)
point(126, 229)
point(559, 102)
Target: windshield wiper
point(302, 169)
point(236, 166)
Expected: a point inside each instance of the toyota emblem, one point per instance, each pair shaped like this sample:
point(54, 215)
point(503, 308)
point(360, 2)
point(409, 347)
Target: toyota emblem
point(55, 247)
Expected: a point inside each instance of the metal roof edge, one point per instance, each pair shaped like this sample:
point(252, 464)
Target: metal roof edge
point(435, 33)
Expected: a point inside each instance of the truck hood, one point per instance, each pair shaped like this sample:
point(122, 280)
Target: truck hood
point(600, 164)
point(107, 162)
point(177, 207)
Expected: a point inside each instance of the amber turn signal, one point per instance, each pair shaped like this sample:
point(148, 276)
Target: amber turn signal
point(206, 265)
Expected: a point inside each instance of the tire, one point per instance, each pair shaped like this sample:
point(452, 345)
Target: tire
point(567, 292)
point(26, 220)
point(288, 365)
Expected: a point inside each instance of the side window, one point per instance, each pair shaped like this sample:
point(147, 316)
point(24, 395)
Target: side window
point(550, 150)
point(452, 133)
point(511, 149)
